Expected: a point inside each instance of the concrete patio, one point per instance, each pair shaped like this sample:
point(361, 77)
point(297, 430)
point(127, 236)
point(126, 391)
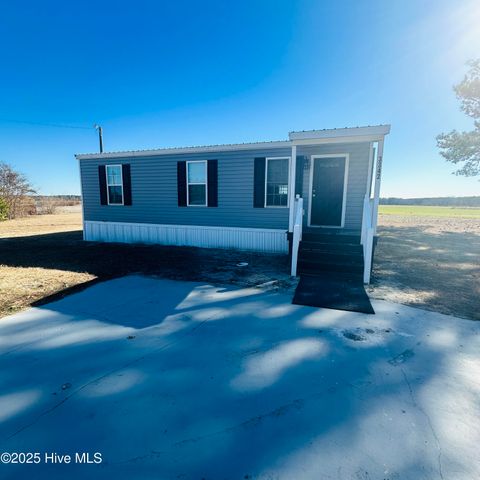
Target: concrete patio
point(180, 380)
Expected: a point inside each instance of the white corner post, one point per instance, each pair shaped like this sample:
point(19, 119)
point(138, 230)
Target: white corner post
point(297, 233)
point(376, 192)
point(291, 188)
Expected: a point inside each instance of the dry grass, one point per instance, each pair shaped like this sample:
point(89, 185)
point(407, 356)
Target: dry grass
point(21, 286)
point(43, 258)
point(40, 224)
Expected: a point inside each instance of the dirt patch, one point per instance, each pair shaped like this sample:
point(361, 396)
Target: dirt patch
point(429, 262)
point(49, 261)
point(426, 262)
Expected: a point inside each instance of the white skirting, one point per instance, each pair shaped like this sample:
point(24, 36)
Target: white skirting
point(256, 239)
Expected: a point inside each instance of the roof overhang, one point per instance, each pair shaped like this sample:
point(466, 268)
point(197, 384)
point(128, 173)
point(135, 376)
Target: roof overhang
point(310, 137)
point(341, 133)
point(183, 150)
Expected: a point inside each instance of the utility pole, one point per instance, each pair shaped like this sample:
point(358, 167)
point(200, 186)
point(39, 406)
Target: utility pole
point(100, 136)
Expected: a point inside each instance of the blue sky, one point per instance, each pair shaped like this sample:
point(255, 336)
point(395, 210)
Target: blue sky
point(158, 74)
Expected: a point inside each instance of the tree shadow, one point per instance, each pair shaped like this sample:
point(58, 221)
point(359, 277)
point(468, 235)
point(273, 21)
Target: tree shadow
point(240, 391)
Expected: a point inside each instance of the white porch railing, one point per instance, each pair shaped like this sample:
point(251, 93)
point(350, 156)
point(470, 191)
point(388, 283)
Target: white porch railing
point(368, 233)
point(297, 232)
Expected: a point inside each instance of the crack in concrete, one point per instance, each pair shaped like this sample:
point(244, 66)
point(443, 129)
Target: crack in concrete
point(429, 421)
point(252, 421)
point(249, 422)
point(105, 375)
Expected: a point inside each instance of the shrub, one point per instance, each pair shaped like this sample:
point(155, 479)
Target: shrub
point(3, 209)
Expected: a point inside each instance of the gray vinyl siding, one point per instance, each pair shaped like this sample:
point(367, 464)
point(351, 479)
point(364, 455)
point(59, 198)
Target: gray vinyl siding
point(154, 189)
point(357, 178)
point(154, 192)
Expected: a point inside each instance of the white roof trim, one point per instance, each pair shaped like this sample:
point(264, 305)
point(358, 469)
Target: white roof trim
point(180, 150)
point(335, 135)
point(340, 132)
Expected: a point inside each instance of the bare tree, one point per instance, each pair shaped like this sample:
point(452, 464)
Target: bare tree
point(14, 188)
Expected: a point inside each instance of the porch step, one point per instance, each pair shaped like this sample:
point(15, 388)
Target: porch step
point(331, 253)
point(327, 248)
point(346, 258)
point(329, 265)
point(346, 274)
point(331, 239)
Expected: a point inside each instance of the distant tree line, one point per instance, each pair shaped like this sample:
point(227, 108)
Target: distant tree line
point(73, 198)
point(434, 201)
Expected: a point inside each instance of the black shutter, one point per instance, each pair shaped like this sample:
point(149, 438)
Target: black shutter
point(102, 180)
point(259, 183)
point(127, 184)
point(182, 183)
point(212, 174)
point(299, 175)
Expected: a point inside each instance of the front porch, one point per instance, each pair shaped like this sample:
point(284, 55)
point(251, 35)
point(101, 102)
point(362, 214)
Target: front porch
point(333, 217)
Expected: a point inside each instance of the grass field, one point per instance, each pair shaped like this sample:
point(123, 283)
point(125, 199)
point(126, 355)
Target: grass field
point(429, 211)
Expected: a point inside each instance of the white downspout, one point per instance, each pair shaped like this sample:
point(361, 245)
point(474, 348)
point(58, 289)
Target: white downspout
point(291, 188)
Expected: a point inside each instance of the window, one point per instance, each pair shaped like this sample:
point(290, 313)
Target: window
point(276, 182)
point(197, 184)
point(114, 184)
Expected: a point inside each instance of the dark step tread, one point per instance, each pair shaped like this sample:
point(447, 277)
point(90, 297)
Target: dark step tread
point(345, 260)
point(327, 250)
point(344, 276)
point(332, 267)
point(331, 239)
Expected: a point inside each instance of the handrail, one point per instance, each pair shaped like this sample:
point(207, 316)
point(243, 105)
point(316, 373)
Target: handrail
point(368, 232)
point(297, 233)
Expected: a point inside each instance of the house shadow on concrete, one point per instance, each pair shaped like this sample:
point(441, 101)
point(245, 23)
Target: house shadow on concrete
point(218, 382)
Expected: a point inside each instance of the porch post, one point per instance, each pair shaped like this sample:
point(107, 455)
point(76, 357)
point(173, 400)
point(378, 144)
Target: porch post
point(291, 188)
point(378, 177)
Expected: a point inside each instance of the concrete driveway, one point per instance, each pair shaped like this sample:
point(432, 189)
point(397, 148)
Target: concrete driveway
point(178, 380)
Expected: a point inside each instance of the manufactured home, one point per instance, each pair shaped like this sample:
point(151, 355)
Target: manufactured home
point(313, 196)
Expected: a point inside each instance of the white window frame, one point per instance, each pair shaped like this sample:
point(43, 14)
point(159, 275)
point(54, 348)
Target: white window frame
point(346, 157)
point(288, 182)
point(114, 185)
point(198, 183)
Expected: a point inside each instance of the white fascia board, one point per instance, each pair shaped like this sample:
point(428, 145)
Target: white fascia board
point(312, 137)
point(335, 140)
point(179, 151)
point(377, 130)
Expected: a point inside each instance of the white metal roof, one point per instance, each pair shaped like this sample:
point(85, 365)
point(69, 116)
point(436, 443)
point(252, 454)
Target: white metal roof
point(315, 136)
point(370, 130)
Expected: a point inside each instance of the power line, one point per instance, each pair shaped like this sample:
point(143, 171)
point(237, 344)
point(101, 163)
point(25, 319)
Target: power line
point(42, 124)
